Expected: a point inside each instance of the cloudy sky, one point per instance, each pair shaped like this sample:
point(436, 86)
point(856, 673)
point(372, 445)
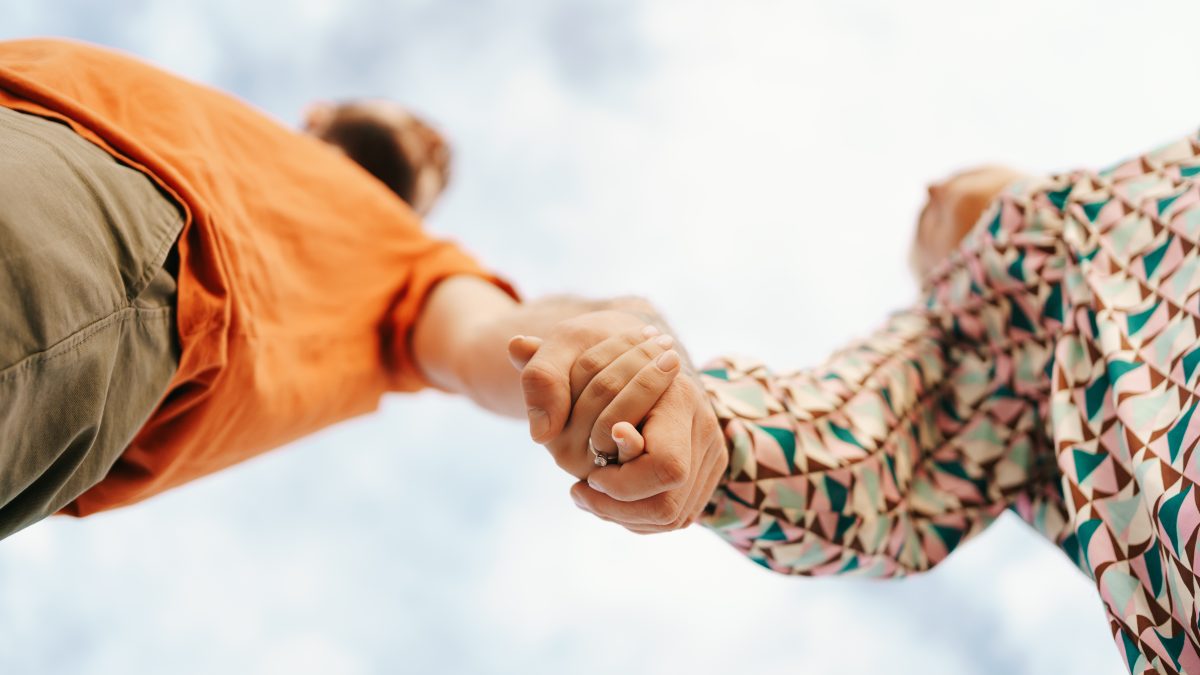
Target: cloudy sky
point(753, 167)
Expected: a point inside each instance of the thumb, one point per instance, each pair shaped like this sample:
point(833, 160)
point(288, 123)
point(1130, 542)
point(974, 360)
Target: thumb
point(629, 442)
point(521, 349)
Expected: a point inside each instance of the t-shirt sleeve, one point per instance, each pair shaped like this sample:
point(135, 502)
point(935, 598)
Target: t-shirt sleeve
point(443, 259)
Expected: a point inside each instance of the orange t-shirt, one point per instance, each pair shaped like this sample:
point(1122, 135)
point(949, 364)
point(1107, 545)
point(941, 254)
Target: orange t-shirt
point(300, 275)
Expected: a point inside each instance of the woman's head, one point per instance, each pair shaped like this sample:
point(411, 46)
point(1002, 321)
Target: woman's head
point(955, 205)
point(390, 142)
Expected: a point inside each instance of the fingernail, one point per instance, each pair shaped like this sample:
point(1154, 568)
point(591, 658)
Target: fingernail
point(539, 422)
point(596, 487)
point(668, 361)
point(622, 444)
point(664, 341)
point(649, 331)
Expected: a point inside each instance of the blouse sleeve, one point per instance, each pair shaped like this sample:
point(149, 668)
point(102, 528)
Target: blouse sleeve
point(900, 447)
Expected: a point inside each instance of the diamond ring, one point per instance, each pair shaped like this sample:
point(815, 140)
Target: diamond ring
point(599, 458)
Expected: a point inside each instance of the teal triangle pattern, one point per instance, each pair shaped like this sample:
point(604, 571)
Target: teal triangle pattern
point(837, 494)
point(844, 434)
point(1118, 368)
point(1059, 197)
point(1173, 645)
point(1054, 304)
point(1168, 514)
point(773, 532)
point(1086, 462)
point(1166, 202)
point(1132, 653)
point(950, 536)
point(1152, 259)
point(1019, 319)
point(787, 443)
point(1154, 569)
point(1092, 210)
point(1190, 360)
point(1094, 395)
point(1178, 431)
point(1086, 530)
point(1138, 321)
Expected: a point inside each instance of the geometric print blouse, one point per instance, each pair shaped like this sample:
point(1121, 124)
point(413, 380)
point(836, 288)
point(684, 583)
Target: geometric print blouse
point(1051, 369)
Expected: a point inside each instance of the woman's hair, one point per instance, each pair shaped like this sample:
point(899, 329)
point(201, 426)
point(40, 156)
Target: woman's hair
point(374, 146)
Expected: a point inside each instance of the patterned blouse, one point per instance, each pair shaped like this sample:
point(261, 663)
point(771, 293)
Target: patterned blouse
point(1051, 370)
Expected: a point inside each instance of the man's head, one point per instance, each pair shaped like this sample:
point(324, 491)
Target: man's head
point(387, 140)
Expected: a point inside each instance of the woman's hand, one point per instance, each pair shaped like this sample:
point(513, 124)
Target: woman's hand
point(664, 478)
point(577, 387)
point(667, 487)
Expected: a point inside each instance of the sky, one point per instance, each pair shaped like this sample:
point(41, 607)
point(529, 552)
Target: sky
point(754, 168)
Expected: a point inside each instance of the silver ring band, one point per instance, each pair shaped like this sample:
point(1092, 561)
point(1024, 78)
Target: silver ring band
point(599, 458)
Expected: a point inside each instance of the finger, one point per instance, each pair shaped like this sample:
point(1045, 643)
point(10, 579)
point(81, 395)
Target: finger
point(644, 529)
point(700, 494)
point(660, 510)
point(636, 400)
point(605, 387)
point(596, 359)
point(629, 441)
point(521, 349)
point(701, 489)
point(546, 384)
point(664, 466)
point(636, 529)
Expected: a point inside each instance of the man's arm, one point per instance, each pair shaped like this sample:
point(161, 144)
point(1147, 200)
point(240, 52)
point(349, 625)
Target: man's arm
point(460, 343)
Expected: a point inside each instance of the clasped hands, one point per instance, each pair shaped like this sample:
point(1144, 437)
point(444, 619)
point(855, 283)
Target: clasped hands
point(610, 378)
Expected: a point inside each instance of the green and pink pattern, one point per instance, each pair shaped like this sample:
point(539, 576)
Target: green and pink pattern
point(1052, 370)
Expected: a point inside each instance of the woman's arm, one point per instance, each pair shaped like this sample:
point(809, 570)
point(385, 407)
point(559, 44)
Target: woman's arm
point(904, 445)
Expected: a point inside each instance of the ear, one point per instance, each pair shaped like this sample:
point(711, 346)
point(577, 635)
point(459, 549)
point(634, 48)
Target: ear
point(521, 349)
point(318, 115)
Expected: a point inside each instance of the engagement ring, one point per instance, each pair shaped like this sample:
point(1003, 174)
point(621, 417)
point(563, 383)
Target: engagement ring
point(601, 459)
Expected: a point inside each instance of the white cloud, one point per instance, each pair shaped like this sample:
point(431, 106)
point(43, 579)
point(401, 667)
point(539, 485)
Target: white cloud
point(755, 168)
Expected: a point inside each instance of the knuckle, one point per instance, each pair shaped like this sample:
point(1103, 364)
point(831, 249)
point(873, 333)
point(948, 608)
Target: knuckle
point(601, 434)
point(631, 339)
point(538, 376)
point(686, 519)
point(606, 385)
point(664, 509)
point(602, 431)
point(649, 349)
point(670, 471)
point(590, 363)
point(648, 384)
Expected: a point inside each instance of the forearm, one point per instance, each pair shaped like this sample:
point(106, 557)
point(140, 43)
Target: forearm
point(873, 463)
point(904, 445)
point(461, 340)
